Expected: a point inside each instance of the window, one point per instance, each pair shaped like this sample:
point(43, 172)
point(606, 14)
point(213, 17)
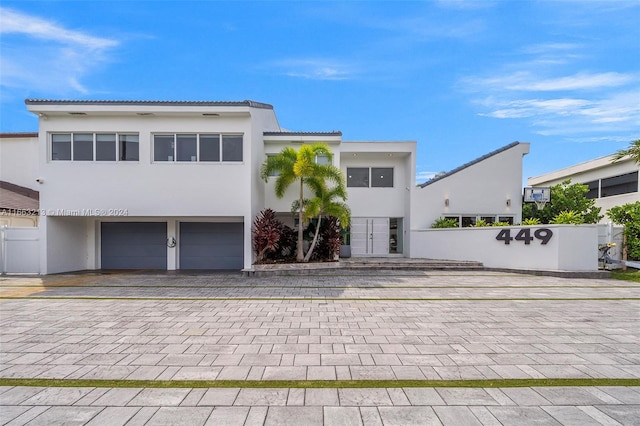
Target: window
point(456, 218)
point(191, 147)
point(187, 147)
point(61, 147)
point(209, 147)
point(593, 189)
point(468, 221)
point(106, 147)
point(488, 219)
point(382, 177)
point(231, 148)
point(623, 184)
point(83, 146)
point(379, 177)
point(506, 219)
point(358, 177)
point(323, 159)
point(129, 148)
point(163, 148)
point(93, 147)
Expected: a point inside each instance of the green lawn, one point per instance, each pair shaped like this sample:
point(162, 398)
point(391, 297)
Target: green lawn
point(628, 275)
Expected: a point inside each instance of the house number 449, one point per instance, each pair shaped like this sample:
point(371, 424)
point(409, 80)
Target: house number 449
point(524, 235)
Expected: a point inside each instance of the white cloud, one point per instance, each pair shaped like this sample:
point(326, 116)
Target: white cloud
point(315, 69)
point(530, 82)
point(42, 56)
point(424, 176)
point(554, 97)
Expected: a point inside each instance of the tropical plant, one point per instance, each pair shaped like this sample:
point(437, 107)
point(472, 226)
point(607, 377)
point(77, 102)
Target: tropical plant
point(325, 202)
point(531, 221)
point(481, 223)
point(500, 224)
point(629, 216)
point(569, 217)
point(299, 167)
point(271, 238)
point(632, 151)
point(443, 222)
point(565, 197)
point(329, 240)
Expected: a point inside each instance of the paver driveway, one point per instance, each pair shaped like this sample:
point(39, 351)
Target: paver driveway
point(402, 326)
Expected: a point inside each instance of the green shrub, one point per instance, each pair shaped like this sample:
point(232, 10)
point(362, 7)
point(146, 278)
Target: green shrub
point(629, 216)
point(445, 223)
point(501, 224)
point(569, 217)
point(565, 197)
point(531, 221)
point(481, 223)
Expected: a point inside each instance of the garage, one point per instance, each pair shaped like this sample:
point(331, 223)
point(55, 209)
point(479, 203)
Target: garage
point(134, 245)
point(211, 245)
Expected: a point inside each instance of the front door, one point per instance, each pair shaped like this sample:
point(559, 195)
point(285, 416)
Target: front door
point(369, 236)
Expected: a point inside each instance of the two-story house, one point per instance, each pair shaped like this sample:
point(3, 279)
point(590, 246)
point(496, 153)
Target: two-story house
point(176, 185)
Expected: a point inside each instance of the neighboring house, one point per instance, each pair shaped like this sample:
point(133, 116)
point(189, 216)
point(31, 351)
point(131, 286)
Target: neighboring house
point(487, 188)
point(610, 183)
point(176, 185)
point(19, 206)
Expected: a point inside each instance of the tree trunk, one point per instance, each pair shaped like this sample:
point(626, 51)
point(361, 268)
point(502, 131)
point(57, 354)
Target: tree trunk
point(300, 253)
point(315, 240)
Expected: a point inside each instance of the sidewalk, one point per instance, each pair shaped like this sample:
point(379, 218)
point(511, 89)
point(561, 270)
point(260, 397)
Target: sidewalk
point(407, 325)
point(394, 406)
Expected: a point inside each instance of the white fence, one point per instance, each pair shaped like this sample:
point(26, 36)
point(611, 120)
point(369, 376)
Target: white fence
point(19, 250)
point(543, 247)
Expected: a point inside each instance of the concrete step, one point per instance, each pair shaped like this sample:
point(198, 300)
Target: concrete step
point(361, 265)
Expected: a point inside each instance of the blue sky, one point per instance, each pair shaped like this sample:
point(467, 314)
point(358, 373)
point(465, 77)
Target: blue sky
point(461, 78)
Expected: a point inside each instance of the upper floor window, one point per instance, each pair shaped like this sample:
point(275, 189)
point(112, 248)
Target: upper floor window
point(615, 185)
point(192, 147)
point(623, 184)
point(94, 147)
point(374, 177)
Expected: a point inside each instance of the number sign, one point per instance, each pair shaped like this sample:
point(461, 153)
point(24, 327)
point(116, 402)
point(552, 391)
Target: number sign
point(524, 235)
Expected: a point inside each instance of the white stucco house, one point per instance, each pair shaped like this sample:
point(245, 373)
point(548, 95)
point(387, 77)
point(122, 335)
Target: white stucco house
point(610, 183)
point(176, 185)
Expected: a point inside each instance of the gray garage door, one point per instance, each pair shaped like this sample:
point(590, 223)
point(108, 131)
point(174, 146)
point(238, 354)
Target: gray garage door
point(134, 245)
point(209, 245)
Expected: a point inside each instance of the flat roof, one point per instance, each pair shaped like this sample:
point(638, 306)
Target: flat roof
point(18, 135)
point(245, 103)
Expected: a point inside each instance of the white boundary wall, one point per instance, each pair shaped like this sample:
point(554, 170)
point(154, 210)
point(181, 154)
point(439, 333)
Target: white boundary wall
point(570, 248)
point(19, 250)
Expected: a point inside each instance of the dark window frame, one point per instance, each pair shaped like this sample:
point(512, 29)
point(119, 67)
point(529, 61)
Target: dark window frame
point(212, 157)
point(73, 153)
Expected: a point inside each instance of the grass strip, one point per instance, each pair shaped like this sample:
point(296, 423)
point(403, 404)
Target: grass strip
point(628, 275)
point(327, 299)
point(308, 384)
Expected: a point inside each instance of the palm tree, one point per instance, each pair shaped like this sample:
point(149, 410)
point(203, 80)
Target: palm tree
point(324, 203)
point(300, 166)
point(632, 151)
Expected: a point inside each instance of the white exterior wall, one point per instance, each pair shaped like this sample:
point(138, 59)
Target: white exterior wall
point(144, 190)
point(392, 202)
point(571, 248)
point(590, 171)
point(273, 145)
point(481, 189)
point(65, 245)
point(19, 161)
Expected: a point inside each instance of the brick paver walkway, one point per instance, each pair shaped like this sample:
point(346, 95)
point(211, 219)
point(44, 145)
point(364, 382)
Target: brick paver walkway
point(403, 326)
